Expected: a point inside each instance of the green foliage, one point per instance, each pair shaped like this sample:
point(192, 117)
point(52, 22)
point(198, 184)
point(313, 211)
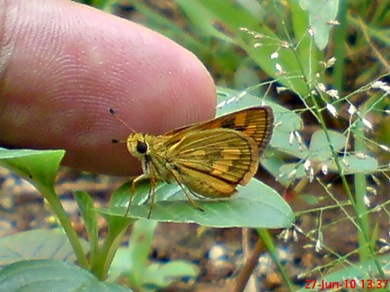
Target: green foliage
point(235, 39)
point(50, 275)
point(37, 244)
point(256, 205)
point(133, 261)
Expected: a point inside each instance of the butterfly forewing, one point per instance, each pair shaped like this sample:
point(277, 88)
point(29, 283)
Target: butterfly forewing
point(213, 162)
point(255, 122)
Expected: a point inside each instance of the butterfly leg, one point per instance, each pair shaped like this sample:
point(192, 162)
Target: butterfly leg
point(191, 200)
point(151, 194)
point(132, 191)
point(185, 190)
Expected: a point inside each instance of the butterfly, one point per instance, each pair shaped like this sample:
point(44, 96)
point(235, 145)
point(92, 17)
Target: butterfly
point(207, 159)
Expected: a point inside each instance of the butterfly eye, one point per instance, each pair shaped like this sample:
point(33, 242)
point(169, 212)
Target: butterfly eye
point(141, 147)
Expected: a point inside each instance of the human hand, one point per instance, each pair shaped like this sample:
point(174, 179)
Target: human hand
point(63, 64)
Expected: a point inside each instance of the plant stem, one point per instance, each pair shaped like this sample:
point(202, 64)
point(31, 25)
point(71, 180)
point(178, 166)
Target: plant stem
point(55, 203)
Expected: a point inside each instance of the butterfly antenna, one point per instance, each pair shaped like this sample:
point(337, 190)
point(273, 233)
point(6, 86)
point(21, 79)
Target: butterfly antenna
point(122, 121)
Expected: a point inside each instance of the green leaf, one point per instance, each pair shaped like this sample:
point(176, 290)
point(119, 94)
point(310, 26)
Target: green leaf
point(141, 242)
point(37, 166)
point(36, 244)
point(132, 261)
point(40, 168)
point(297, 169)
point(161, 275)
point(50, 275)
point(88, 213)
point(206, 14)
point(319, 144)
point(165, 25)
point(256, 205)
point(319, 149)
point(274, 165)
point(353, 164)
point(320, 13)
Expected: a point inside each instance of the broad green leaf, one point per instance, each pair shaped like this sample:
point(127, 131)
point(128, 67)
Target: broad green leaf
point(37, 166)
point(36, 244)
point(256, 205)
point(51, 275)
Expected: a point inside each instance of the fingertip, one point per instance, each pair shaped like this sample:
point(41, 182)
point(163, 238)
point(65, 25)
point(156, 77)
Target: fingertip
point(62, 77)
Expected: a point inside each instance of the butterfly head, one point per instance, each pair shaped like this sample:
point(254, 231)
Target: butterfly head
point(137, 145)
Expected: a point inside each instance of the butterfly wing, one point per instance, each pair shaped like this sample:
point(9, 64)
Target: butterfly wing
point(254, 122)
point(213, 162)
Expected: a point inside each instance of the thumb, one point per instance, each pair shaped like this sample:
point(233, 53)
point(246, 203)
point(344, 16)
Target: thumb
point(64, 64)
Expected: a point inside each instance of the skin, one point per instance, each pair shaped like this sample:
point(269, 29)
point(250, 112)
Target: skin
point(63, 64)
